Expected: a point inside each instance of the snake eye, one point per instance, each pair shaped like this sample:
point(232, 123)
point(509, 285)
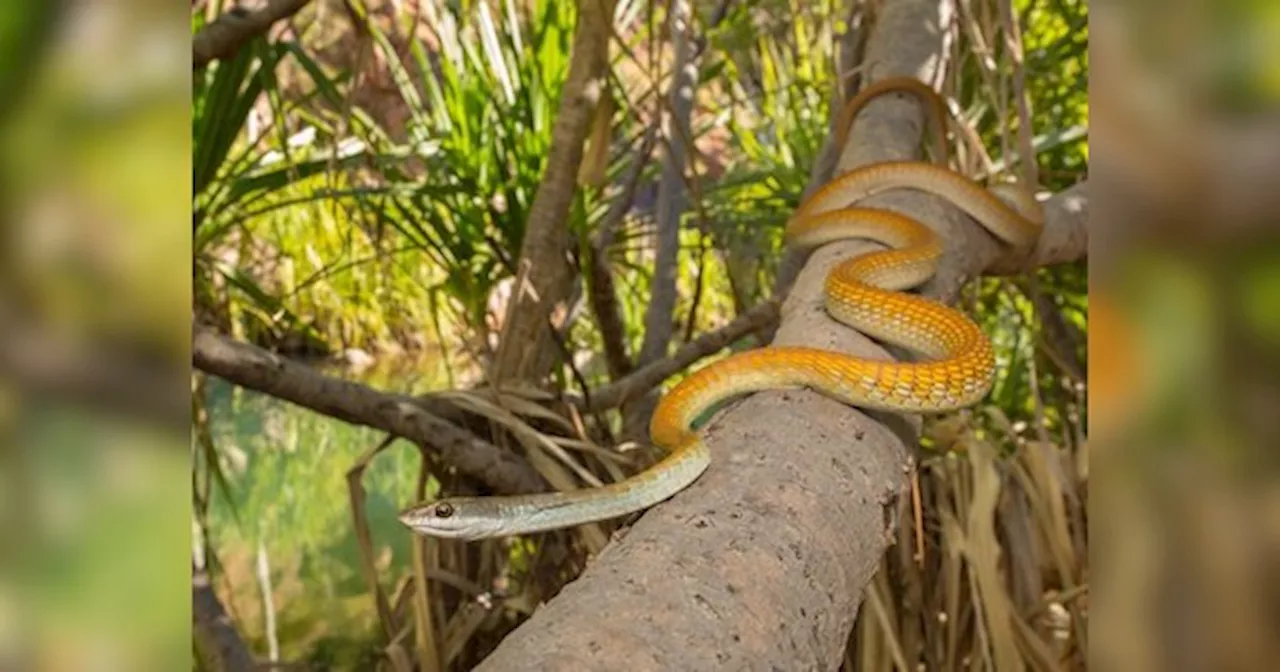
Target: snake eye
point(444, 510)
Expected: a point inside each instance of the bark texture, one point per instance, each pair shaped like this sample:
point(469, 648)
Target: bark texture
point(233, 28)
point(761, 563)
point(544, 277)
point(256, 369)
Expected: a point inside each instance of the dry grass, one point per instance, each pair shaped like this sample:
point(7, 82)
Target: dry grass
point(1003, 580)
point(1002, 583)
point(462, 599)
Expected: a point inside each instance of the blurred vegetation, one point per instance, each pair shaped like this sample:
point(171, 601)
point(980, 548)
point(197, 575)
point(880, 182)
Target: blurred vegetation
point(361, 182)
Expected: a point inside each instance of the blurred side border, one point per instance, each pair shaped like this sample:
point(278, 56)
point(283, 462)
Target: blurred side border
point(95, 335)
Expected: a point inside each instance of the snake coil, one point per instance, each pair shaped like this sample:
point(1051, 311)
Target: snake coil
point(863, 292)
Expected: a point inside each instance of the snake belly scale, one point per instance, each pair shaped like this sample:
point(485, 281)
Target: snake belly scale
point(863, 292)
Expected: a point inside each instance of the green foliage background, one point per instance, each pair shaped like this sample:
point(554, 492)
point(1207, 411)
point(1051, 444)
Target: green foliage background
point(325, 223)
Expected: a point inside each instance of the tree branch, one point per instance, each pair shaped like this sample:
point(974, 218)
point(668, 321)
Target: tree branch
point(659, 316)
point(659, 320)
point(256, 369)
point(601, 290)
point(1065, 237)
point(760, 563)
point(526, 351)
point(648, 377)
point(233, 28)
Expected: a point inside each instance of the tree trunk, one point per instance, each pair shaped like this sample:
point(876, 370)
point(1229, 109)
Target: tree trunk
point(659, 318)
point(526, 351)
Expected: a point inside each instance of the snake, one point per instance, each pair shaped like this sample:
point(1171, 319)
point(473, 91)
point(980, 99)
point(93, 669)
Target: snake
point(954, 367)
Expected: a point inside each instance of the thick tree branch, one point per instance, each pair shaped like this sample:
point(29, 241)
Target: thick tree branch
point(762, 562)
point(233, 28)
point(526, 351)
point(1065, 238)
point(256, 369)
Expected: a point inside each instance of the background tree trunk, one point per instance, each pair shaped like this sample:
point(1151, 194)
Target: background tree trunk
point(659, 316)
point(544, 278)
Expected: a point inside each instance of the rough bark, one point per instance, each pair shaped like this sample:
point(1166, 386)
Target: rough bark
point(256, 369)
point(233, 28)
point(527, 349)
point(762, 562)
point(218, 643)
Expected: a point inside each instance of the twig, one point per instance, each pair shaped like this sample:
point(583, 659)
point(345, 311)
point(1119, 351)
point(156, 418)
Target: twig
point(646, 378)
point(1013, 41)
point(364, 536)
point(698, 285)
point(1059, 339)
point(268, 603)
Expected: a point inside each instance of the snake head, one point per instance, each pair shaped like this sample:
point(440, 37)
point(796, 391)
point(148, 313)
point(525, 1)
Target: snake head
point(465, 518)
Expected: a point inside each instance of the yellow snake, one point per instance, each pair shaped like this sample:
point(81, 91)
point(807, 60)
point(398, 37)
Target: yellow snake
point(863, 292)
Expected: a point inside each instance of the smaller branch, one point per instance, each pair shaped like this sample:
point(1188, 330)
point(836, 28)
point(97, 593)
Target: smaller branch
point(699, 285)
point(525, 351)
point(652, 375)
point(232, 29)
point(659, 318)
point(601, 290)
point(256, 369)
point(1013, 43)
point(1065, 238)
point(1061, 340)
